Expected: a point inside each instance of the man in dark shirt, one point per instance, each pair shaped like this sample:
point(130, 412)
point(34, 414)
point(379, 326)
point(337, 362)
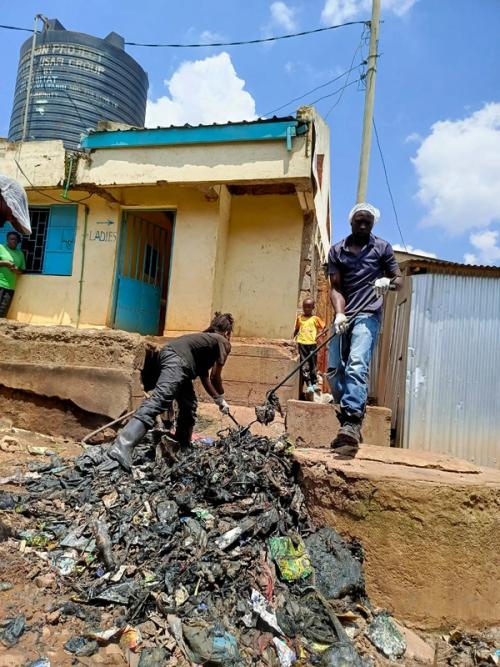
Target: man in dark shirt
point(200, 355)
point(361, 269)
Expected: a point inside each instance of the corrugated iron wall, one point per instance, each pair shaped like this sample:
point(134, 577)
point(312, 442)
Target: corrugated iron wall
point(452, 392)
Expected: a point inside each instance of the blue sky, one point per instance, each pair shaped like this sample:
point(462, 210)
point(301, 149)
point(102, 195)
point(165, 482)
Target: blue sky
point(437, 102)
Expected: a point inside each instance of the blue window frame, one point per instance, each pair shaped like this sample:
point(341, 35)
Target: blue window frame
point(49, 248)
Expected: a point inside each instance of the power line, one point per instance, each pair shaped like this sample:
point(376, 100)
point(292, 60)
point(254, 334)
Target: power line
point(236, 43)
point(323, 85)
point(388, 185)
point(362, 41)
point(335, 92)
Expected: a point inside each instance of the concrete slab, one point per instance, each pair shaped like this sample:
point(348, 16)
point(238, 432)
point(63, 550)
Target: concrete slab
point(316, 425)
point(429, 525)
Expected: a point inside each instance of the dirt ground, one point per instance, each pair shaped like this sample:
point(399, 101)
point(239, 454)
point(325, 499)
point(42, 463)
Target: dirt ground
point(37, 592)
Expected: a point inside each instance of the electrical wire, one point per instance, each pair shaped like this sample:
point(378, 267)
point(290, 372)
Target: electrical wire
point(236, 43)
point(388, 185)
point(362, 42)
point(323, 85)
point(41, 192)
point(335, 92)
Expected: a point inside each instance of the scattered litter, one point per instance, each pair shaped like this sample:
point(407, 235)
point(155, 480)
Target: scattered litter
point(285, 654)
point(293, 561)
point(259, 606)
point(12, 629)
point(5, 586)
point(337, 564)
point(207, 557)
point(81, 646)
point(43, 661)
point(386, 637)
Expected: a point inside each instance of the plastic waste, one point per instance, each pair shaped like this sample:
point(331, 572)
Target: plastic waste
point(385, 636)
point(341, 655)
point(285, 654)
point(43, 661)
point(211, 644)
point(81, 646)
point(12, 630)
point(293, 561)
point(338, 569)
point(259, 605)
point(231, 536)
point(5, 586)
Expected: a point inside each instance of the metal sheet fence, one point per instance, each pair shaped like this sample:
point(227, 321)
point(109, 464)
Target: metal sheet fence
point(452, 384)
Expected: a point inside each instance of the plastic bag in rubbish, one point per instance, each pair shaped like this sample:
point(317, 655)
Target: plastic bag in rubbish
point(338, 571)
point(293, 561)
point(341, 655)
point(385, 636)
point(12, 629)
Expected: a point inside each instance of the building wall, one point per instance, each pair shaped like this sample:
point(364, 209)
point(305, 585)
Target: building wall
point(240, 254)
point(262, 264)
point(45, 299)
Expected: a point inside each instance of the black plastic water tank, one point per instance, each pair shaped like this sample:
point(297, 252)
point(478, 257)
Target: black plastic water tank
point(77, 80)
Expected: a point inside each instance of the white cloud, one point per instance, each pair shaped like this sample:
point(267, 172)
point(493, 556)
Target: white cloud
point(486, 246)
point(284, 16)
point(202, 91)
point(339, 11)
point(414, 138)
point(209, 37)
point(470, 258)
point(416, 251)
point(458, 171)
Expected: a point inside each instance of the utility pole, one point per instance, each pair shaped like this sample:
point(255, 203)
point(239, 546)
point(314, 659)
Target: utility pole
point(366, 142)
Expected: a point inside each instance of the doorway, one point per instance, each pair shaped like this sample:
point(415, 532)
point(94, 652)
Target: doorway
point(143, 271)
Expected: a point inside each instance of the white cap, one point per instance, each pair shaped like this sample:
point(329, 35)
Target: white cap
point(15, 198)
point(365, 207)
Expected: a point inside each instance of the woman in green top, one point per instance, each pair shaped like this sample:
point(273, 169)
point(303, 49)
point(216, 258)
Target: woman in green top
point(12, 264)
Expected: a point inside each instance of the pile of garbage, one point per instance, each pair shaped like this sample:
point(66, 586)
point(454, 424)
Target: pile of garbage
point(207, 556)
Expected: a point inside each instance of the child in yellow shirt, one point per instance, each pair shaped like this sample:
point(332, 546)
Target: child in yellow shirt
point(308, 327)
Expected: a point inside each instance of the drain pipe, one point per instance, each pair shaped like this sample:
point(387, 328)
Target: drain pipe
point(82, 266)
point(38, 17)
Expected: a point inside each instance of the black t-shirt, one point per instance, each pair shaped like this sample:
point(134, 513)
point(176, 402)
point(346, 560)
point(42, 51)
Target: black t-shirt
point(201, 351)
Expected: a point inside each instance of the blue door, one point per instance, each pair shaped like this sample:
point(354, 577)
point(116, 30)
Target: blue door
point(144, 251)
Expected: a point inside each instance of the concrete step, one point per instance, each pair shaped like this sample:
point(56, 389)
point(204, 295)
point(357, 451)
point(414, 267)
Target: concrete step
point(429, 528)
point(316, 425)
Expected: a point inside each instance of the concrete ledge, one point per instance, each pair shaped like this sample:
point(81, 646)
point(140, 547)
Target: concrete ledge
point(429, 525)
point(316, 425)
point(104, 391)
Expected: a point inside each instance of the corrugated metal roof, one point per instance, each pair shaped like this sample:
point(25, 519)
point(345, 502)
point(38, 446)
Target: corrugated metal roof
point(452, 396)
point(257, 121)
point(431, 265)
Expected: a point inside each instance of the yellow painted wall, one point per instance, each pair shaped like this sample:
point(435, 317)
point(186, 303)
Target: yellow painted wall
point(239, 254)
point(262, 264)
point(41, 299)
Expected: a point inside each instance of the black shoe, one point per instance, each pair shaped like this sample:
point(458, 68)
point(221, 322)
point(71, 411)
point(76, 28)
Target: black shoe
point(124, 443)
point(349, 432)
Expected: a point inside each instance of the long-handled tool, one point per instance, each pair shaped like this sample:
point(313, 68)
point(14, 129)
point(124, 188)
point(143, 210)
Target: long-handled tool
point(266, 412)
point(243, 430)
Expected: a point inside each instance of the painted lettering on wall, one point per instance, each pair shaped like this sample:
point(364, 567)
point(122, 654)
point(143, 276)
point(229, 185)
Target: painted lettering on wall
point(102, 237)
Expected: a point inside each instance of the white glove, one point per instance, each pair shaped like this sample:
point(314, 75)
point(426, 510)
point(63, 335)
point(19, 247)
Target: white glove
point(221, 402)
point(381, 286)
point(340, 324)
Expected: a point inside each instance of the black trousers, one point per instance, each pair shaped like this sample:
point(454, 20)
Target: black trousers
point(5, 300)
point(174, 383)
point(309, 372)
